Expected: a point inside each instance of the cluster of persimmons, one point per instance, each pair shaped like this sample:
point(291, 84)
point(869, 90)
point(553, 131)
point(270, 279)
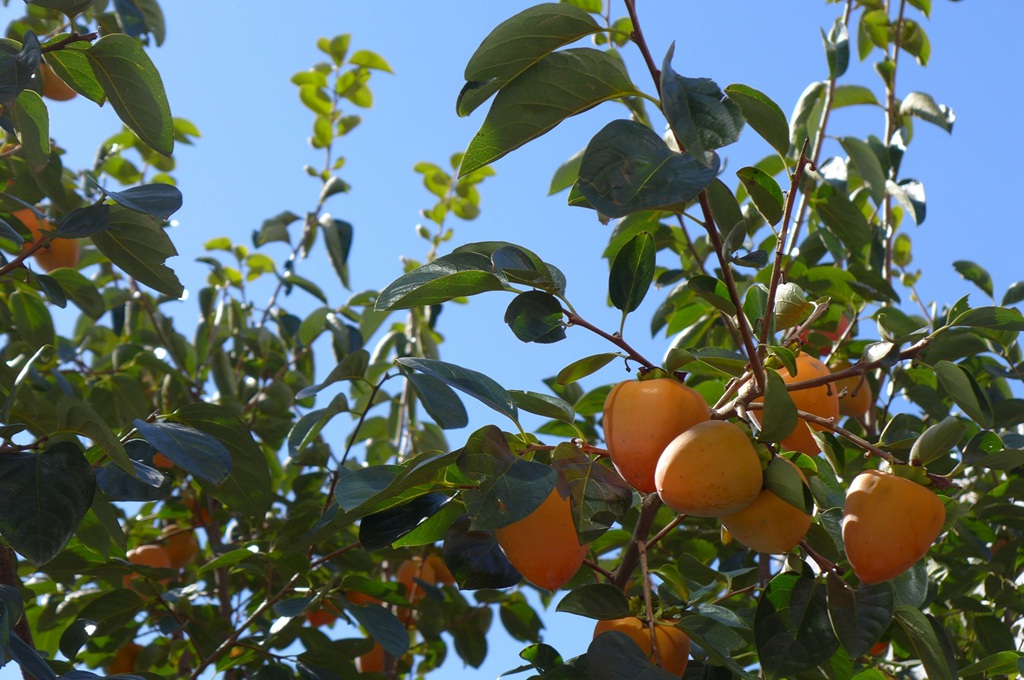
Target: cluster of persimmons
point(661, 438)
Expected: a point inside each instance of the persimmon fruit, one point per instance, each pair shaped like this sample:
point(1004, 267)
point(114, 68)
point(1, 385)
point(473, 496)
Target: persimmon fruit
point(641, 417)
point(710, 470)
point(544, 546)
point(441, 570)
point(180, 544)
point(673, 645)
point(889, 523)
point(124, 659)
point(148, 556)
point(321, 618)
point(60, 252)
point(162, 462)
point(53, 87)
point(854, 393)
point(411, 570)
point(372, 661)
point(822, 401)
point(769, 524)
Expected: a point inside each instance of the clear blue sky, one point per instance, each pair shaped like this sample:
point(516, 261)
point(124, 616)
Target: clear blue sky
point(226, 67)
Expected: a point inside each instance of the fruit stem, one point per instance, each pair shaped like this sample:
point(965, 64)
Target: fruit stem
point(676, 521)
point(641, 548)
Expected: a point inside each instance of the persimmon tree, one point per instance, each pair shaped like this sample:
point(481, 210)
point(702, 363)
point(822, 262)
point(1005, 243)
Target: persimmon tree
point(179, 502)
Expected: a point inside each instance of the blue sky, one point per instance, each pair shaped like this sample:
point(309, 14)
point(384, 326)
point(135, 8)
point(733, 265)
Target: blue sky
point(226, 66)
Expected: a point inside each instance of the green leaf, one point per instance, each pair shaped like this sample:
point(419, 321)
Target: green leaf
point(837, 49)
point(713, 290)
point(43, 498)
point(976, 274)
point(546, 405)
point(134, 89)
point(138, 245)
point(964, 391)
point(632, 272)
point(842, 217)
point(557, 87)
point(627, 168)
point(338, 237)
point(32, 320)
point(780, 418)
point(792, 630)
point(1014, 294)
point(248, 488)
point(475, 558)
point(566, 174)
point(72, 66)
point(764, 192)
point(615, 656)
point(701, 117)
point(853, 95)
point(536, 316)
point(476, 385)
point(581, 368)
point(598, 496)
point(510, 488)
point(763, 114)
point(859, 617)
point(188, 448)
point(440, 401)
point(909, 193)
point(595, 601)
point(69, 7)
point(809, 101)
point(718, 640)
point(1000, 663)
point(725, 209)
point(383, 626)
point(930, 641)
point(518, 43)
point(994, 318)
point(32, 121)
point(921, 105)
point(158, 200)
point(868, 166)
point(937, 440)
point(446, 278)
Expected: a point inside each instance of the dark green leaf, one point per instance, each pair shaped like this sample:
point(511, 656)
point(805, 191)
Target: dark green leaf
point(792, 630)
point(764, 192)
point(976, 274)
point(447, 277)
point(546, 405)
point(136, 244)
point(763, 114)
point(188, 448)
point(627, 168)
point(17, 68)
point(779, 419)
point(632, 272)
point(859, 617)
point(930, 641)
point(440, 401)
point(518, 43)
point(868, 166)
point(701, 117)
point(75, 636)
point(581, 368)
point(158, 200)
point(724, 208)
point(595, 601)
point(994, 318)
point(937, 440)
point(964, 391)
point(86, 221)
point(32, 121)
point(338, 237)
point(382, 626)
point(559, 86)
point(476, 385)
point(381, 529)
point(536, 316)
point(475, 558)
point(842, 217)
point(134, 89)
point(712, 290)
point(598, 496)
point(614, 656)
point(32, 320)
point(43, 498)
